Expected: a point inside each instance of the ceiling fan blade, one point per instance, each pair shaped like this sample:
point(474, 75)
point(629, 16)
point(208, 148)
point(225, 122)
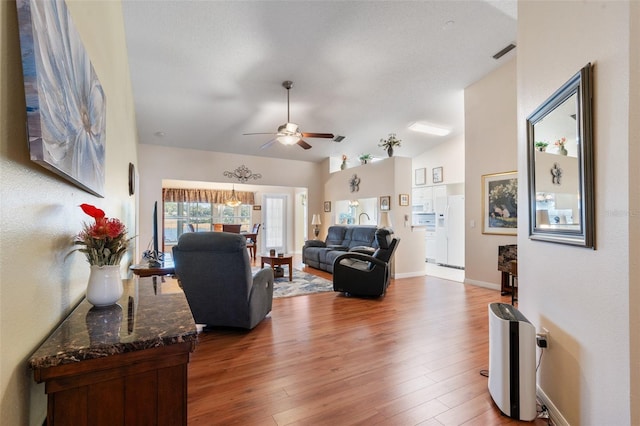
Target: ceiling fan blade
point(304, 144)
point(318, 135)
point(268, 144)
point(270, 133)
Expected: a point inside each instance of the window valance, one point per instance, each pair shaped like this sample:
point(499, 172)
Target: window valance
point(215, 196)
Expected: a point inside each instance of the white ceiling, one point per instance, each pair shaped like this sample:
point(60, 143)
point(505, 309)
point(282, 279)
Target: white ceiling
point(205, 72)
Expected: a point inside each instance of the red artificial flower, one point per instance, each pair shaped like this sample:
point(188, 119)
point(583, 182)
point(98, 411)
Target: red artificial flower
point(114, 228)
point(104, 241)
point(92, 211)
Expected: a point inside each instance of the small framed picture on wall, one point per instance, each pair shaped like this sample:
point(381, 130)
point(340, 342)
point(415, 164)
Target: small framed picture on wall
point(404, 199)
point(437, 175)
point(327, 206)
point(385, 203)
point(421, 176)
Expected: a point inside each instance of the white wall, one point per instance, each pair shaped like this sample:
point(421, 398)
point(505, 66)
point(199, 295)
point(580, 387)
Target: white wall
point(490, 131)
point(582, 296)
point(39, 213)
point(449, 155)
point(634, 208)
point(158, 163)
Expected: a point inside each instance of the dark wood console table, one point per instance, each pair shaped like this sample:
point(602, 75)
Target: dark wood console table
point(120, 365)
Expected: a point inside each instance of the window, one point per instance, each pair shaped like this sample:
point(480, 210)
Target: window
point(181, 217)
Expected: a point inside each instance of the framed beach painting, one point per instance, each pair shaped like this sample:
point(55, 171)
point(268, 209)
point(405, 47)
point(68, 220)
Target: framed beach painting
point(66, 106)
point(500, 203)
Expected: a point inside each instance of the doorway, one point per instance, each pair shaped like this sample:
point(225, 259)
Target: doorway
point(274, 219)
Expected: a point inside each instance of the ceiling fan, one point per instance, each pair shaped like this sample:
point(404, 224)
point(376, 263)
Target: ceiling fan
point(289, 133)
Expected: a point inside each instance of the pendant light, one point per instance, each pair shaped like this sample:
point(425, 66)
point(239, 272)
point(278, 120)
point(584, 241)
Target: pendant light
point(233, 201)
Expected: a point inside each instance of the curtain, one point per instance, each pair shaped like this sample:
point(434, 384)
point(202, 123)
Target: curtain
point(214, 196)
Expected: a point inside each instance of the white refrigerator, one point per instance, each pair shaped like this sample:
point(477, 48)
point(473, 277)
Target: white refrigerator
point(450, 231)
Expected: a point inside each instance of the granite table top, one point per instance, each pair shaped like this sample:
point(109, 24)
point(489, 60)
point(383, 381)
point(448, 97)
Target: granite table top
point(145, 317)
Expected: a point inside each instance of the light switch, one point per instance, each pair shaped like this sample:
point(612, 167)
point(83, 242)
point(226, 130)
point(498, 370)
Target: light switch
point(472, 223)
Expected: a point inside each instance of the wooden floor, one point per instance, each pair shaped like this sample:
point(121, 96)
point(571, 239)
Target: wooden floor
point(411, 358)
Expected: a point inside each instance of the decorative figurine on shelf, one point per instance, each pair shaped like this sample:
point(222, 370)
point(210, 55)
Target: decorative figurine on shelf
point(389, 143)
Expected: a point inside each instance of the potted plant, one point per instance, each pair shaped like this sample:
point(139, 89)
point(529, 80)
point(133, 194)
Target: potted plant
point(559, 144)
point(104, 242)
point(541, 146)
point(365, 158)
point(389, 143)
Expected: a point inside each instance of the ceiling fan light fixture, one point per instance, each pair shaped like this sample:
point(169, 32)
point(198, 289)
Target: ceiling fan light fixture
point(288, 128)
point(429, 129)
point(288, 139)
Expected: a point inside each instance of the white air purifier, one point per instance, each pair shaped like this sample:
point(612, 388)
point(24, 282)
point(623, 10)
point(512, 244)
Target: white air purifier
point(512, 362)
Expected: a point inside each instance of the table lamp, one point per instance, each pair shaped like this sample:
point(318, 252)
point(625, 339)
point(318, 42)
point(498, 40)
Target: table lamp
point(385, 220)
point(315, 221)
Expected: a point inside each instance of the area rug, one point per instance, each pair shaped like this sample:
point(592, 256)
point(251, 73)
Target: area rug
point(302, 283)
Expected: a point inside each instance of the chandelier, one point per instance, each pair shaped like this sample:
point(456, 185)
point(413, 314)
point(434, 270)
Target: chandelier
point(233, 201)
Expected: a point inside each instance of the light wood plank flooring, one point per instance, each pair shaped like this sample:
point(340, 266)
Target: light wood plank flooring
point(411, 358)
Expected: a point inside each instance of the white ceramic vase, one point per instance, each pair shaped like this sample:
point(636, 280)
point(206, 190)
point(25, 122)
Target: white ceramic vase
point(105, 285)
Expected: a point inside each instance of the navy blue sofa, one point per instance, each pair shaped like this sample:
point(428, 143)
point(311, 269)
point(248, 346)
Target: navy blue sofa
point(340, 239)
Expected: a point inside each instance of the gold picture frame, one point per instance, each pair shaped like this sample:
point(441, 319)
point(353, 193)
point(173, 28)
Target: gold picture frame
point(500, 203)
point(403, 199)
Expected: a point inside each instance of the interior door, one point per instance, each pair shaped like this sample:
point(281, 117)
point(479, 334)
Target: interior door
point(274, 220)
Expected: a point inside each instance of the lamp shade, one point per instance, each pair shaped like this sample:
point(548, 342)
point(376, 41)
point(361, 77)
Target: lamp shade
point(315, 220)
point(385, 220)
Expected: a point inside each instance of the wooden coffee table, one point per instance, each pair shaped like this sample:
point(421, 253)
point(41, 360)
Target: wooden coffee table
point(146, 270)
point(278, 261)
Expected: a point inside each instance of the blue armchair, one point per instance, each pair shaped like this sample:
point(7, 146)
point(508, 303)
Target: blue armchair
point(362, 274)
point(215, 273)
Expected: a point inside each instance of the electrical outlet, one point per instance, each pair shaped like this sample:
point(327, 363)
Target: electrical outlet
point(542, 338)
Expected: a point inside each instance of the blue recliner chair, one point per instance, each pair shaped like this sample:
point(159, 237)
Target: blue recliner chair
point(362, 274)
point(214, 271)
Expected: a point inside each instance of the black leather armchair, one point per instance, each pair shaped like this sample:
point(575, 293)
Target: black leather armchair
point(361, 274)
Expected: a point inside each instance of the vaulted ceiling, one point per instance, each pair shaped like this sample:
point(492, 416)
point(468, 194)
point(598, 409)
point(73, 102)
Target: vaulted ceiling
point(205, 72)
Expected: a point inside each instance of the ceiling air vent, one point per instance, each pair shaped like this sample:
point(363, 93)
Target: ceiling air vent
point(504, 51)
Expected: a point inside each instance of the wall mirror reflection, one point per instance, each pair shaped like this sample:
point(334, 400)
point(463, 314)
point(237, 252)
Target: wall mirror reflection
point(360, 211)
point(560, 165)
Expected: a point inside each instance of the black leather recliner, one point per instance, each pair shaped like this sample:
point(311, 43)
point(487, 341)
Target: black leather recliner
point(361, 274)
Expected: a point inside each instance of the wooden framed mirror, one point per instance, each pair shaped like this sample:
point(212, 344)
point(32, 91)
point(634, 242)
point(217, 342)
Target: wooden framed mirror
point(560, 165)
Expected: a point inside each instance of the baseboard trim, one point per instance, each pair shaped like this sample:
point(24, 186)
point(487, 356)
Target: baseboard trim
point(554, 414)
point(484, 284)
point(409, 274)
